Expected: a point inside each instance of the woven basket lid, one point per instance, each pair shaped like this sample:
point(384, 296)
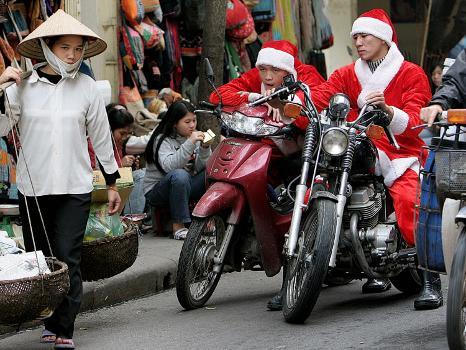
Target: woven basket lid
point(59, 24)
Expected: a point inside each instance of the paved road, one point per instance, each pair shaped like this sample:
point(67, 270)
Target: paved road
point(236, 318)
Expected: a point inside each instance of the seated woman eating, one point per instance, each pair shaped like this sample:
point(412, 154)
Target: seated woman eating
point(176, 158)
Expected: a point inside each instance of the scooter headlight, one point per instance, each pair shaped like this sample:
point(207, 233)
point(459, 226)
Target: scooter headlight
point(335, 141)
point(248, 125)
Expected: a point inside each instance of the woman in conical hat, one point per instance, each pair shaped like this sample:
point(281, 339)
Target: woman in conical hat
point(55, 108)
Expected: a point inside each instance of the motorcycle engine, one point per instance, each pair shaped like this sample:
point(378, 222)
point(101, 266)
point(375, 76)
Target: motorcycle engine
point(366, 202)
point(377, 239)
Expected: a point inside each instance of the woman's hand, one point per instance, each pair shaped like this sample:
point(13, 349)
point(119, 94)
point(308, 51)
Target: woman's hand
point(377, 98)
point(196, 136)
point(429, 114)
point(11, 73)
point(128, 161)
point(114, 199)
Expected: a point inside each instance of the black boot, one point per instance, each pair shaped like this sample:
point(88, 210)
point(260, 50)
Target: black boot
point(431, 296)
point(376, 285)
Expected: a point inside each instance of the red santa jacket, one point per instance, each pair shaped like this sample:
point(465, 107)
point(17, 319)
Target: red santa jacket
point(406, 89)
point(251, 82)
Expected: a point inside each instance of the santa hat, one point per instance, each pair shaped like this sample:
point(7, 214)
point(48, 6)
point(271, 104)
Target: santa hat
point(377, 23)
point(279, 54)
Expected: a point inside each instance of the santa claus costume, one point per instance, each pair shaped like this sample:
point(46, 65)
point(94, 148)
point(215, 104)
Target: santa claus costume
point(280, 54)
point(406, 89)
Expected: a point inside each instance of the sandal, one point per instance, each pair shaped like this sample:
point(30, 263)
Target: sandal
point(180, 234)
point(47, 337)
point(63, 343)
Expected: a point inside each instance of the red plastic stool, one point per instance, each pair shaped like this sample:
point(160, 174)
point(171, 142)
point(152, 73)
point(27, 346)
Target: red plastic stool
point(160, 215)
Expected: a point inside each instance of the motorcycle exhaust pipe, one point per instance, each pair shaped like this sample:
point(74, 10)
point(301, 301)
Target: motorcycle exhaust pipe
point(360, 257)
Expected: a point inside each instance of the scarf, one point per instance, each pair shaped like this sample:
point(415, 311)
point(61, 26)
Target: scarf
point(66, 70)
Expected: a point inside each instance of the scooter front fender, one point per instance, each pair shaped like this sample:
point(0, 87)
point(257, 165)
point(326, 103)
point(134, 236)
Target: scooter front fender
point(219, 197)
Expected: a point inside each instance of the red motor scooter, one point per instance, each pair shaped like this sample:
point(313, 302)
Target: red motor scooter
point(236, 223)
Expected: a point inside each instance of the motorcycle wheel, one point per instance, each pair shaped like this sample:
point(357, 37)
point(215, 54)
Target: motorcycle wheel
point(409, 281)
point(306, 272)
point(456, 304)
point(196, 279)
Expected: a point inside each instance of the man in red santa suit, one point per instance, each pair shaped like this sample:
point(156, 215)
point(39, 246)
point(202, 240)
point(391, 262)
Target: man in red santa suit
point(276, 60)
point(382, 77)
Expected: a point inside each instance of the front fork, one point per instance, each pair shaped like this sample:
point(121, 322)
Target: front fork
point(222, 251)
point(301, 189)
point(340, 209)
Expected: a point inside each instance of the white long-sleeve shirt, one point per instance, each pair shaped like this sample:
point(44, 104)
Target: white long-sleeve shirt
point(53, 121)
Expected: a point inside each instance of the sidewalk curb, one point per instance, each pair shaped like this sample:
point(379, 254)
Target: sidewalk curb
point(128, 285)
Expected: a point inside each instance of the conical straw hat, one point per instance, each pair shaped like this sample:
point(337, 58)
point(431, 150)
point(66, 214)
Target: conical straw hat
point(60, 23)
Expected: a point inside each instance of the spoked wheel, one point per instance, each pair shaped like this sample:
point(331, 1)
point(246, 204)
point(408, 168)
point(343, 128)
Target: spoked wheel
point(456, 306)
point(197, 275)
point(306, 271)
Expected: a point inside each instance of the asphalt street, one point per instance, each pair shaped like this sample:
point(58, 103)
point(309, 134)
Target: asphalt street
point(236, 318)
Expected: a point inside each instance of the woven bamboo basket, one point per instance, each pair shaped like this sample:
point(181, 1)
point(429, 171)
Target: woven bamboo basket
point(26, 299)
point(107, 257)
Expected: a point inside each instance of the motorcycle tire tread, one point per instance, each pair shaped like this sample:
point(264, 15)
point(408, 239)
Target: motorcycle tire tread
point(325, 209)
point(188, 253)
point(455, 301)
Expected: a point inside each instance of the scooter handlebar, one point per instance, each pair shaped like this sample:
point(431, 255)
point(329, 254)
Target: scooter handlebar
point(282, 93)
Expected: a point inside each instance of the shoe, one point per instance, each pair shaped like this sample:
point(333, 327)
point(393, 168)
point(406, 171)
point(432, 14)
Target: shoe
point(180, 234)
point(276, 303)
point(431, 296)
point(47, 337)
point(64, 343)
point(376, 285)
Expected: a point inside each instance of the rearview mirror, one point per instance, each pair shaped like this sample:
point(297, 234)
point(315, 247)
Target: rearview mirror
point(292, 110)
point(209, 71)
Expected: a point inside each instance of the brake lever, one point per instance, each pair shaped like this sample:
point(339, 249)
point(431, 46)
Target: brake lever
point(391, 137)
point(439, 123)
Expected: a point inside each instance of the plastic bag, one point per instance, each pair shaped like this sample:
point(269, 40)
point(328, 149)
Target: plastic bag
point(100, 224)
point(15, 266)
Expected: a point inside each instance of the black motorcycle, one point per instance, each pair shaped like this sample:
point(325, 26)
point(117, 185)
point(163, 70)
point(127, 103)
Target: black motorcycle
point(343, 222)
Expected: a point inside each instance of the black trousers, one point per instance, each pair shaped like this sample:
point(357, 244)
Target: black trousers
point(65, 218)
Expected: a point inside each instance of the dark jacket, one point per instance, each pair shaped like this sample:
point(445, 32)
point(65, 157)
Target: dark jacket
point(452, 92)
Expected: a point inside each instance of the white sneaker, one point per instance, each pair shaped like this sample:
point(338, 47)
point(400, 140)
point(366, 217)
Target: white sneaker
point(180, 234)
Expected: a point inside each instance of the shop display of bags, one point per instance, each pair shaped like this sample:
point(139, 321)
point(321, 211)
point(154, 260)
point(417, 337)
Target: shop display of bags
point(264, 11)
point(133, 11)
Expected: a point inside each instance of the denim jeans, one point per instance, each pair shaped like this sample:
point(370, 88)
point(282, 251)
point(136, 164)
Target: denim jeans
point(176, 189)
point(136, 201)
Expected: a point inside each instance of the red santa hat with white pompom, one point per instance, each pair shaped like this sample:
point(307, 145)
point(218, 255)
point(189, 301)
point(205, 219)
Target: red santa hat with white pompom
point(377, 23)
point(280, 54)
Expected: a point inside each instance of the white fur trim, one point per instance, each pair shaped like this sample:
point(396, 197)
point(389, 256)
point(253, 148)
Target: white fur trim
point(276, 58)
point(391, 170)
point(399, 122)
point(375, 27)
point(383, 75)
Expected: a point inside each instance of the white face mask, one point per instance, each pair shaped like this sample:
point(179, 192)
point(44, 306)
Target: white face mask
point(66, 70)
